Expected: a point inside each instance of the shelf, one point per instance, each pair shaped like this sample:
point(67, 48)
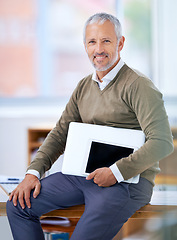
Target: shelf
point(36, 136)
point(35, 145)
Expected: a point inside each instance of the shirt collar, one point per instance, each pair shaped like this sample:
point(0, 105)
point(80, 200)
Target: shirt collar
point(110, 75)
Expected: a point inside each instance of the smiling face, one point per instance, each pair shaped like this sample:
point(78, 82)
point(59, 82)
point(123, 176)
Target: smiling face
point(102, 46)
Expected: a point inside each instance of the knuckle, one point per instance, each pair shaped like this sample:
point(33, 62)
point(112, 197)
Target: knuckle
point(14, 199)
point(26, 197)
point(27, 201)
point(38, 185)
point(14, 194)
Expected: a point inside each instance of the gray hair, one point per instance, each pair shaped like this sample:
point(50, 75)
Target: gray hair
point(101, 18)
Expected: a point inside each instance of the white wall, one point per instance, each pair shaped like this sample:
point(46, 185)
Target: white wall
point(14, 123)
point(164, 46)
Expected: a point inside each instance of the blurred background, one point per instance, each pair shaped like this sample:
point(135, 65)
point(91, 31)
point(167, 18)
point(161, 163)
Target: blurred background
point(42, 58)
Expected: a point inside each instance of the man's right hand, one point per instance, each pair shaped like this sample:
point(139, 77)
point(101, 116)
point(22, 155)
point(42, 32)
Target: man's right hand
point(23, 190)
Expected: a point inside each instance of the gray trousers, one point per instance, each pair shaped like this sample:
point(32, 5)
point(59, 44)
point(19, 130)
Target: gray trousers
point(106, 208)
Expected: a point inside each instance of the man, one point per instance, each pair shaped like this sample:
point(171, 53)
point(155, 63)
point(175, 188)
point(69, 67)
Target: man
point(117, 96)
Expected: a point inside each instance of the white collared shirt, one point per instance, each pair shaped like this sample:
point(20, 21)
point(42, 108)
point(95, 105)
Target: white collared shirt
point(109, 76)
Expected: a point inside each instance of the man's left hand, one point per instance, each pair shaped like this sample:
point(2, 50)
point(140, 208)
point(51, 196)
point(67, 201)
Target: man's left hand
point(103, 177)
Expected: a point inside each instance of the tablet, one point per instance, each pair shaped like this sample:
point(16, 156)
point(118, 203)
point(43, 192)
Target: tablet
point(91, 146)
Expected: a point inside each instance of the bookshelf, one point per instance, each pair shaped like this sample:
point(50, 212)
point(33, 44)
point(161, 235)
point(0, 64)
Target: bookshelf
point(36, 136)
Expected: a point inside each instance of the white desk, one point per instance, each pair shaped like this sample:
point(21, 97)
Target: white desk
point(164, 198)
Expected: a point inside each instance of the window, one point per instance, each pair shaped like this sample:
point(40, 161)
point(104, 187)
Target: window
point(137, 29)
point(42, 53)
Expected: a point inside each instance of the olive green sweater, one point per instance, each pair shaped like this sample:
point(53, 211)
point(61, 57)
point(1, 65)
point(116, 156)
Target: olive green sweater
point(131, 101)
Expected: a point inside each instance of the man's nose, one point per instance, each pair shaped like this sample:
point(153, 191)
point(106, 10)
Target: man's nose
point(99, 48)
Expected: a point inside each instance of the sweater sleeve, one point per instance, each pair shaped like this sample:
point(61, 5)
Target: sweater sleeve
point(54, 144)
point(146, 102)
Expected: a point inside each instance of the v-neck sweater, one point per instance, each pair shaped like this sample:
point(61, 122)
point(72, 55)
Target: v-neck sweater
point(130, 101)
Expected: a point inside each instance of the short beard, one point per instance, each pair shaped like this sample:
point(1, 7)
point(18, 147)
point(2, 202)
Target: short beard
point(104, 68)
point(109, 65)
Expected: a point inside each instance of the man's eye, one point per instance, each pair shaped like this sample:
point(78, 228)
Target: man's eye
point(107, 41)
point(91, 42)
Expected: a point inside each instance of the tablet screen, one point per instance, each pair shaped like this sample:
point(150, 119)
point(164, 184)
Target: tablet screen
point(104, 155)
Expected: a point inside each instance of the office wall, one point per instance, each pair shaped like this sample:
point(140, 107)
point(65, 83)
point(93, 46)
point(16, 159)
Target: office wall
point(164, 50)
point(13, 138)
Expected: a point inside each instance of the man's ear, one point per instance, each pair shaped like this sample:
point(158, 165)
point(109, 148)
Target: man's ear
point(121, 43)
